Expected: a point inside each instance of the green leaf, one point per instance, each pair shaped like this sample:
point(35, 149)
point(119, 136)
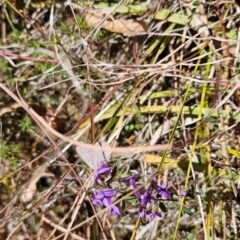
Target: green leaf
point(26, 124)
point(162, 206)
point(188, 211)
point(196, 3)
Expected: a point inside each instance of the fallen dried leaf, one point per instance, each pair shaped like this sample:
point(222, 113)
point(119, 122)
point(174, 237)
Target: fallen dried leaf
point(127, 27)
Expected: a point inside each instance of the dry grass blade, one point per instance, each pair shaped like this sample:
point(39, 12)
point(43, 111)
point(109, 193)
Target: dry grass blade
point(40, 121)
point(137, 76)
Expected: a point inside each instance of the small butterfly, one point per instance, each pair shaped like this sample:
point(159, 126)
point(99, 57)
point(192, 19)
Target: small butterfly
point(94, 157)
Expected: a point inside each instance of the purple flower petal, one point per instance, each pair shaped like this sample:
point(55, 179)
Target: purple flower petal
point(114, 210)
point(182, 193)
point(152, 214)
point(105, 193)
point(97, 202)
point(99, 195)
point(131, 180)
point(127, 179)
point(108, 192)
point(138, 194)
point(141, 213)
point(107, 201)
point(104, 169)
point(165, 195)
point(158, 214)
point(164, 186)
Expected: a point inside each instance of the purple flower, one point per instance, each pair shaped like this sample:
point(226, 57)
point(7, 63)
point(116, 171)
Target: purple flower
point(162, 191)
point(150, 213)
point(103, 198)
point(141, 213)
point(132, 181)
point(147, 197)
point(103, 170)
point(182, 193)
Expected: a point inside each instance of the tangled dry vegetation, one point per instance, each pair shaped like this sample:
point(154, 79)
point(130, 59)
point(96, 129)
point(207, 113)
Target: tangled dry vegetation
point(135, 74)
